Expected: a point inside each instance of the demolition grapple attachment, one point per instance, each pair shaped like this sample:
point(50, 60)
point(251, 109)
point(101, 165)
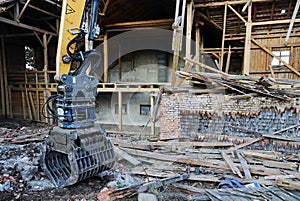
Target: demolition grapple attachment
point(76, 149)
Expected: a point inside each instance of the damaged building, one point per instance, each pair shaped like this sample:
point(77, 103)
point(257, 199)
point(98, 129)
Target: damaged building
point(199, 98)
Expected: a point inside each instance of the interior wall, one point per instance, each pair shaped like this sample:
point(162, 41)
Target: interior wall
point(260, 60)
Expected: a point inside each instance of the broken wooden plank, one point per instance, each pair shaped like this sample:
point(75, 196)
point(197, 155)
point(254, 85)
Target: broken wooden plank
point(206, 67)
point(254, 169)
point(246, 144)
point(282, 164)
point(288, 184)
point(195, 144)
point(232, 166)
point(244, 164)
point(133, 145)
point(292, 139)
point(274, 177)
point(127, 157)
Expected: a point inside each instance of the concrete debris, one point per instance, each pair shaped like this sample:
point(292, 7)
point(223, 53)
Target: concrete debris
point(147, 197)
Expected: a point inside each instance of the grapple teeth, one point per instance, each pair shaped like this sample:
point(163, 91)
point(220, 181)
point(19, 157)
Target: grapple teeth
point(67, 161)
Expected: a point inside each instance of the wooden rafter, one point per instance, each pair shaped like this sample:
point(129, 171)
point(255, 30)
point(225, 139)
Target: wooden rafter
point(25, 26)
point(214, 4)
point(105, 6)
point(292, 21)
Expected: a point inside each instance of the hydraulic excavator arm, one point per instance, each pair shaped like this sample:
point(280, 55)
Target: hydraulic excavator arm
point(77, 148)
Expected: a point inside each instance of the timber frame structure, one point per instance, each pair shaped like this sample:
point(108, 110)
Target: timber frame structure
point(241, 36)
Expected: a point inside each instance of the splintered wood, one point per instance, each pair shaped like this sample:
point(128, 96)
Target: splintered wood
point(210, 164)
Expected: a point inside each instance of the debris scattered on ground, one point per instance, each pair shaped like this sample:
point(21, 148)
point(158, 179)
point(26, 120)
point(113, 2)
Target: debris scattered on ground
point(150, 169)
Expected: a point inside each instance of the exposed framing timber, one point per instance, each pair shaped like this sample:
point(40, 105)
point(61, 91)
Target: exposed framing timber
point(198, 40)
point(223, 38)
point(45, 45)
point(228, 60)
point(41, 10)
point(272, 54)
point(2, 82)
point(292, 21)
point(53, 3)
point(189, 27)
point(5, 84)
point(120, 104)
point(214, 4)
point(235, 12)
point(105, 59)
point(23, 10)
point(247, 50)
point(273, 22)
point(103, 11)
point(209, 20)
point(25, 26)
point(140, 23)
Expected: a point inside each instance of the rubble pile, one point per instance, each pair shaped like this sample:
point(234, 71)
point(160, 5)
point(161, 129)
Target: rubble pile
point(148, 168)
point(20, 158)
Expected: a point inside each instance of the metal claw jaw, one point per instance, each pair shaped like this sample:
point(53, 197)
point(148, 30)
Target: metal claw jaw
point(67, 161)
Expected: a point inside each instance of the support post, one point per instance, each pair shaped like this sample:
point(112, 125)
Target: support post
point(223, 38)
point(120, 64)
point(45, 45)
point(247, 50)
point(228, 60)
point(197, 47)
point(4, 68)
point(120, 110)
point(2, 83)
point(105, 55)
point(152, 100)
point(189, 27)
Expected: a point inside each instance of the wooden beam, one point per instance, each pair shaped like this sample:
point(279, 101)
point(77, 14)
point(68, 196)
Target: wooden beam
point(231, 164)
point(120, 103)
point(25, 26)
point(152, 122)
point(198, 41)
point(42, 11)
point(244, 164)
point(292, 21)
point(214, 4)
point(228, 60)
point(2, 80)
point(105, 55)
point(223, 38)
point(51, 2)
point(235, 12)
point(247, 50)
point(272, 54)
point(46, 63)
point(273, 22)
point(189, 27)
point(106, 3)
point(209, 20)
point(23, 10)
point(140, 23)
point(207, 67)
point(5, 83)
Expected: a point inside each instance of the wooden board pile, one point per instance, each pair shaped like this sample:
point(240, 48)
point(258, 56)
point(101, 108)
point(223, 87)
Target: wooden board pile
point(282, 89)
point(209, 163)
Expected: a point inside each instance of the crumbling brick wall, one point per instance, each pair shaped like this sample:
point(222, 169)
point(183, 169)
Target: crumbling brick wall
point(183, 114)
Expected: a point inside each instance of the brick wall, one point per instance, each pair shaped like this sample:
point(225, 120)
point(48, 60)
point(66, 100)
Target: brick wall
point(182, 115)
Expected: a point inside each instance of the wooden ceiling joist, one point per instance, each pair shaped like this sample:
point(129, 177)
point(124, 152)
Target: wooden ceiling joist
point(214, 4)
point(155, 23)
point(25, 26)
point(273, 22)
